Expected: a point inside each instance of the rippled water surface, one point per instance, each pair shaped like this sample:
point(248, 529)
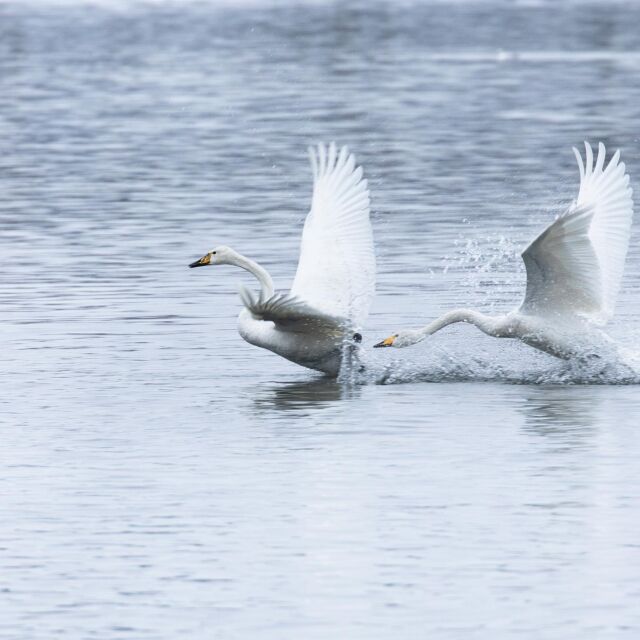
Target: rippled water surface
point(160, 478)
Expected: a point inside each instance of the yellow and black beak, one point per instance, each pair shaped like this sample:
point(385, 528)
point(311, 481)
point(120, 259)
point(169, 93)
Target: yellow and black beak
point(203, 262)
point(387, 342)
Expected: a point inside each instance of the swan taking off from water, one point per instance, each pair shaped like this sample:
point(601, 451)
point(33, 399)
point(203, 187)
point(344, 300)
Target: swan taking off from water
point(574, 268)
point(335, 281)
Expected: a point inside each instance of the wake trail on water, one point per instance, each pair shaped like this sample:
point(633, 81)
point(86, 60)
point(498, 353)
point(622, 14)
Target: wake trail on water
point(442, 366)
point(511, 363)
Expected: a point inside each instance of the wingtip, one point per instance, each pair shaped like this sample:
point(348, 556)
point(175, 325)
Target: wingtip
point(322, 159)
point(615, 159)
point(602, 152)
point(578, 156)
point(588, 161)
point(331, 156)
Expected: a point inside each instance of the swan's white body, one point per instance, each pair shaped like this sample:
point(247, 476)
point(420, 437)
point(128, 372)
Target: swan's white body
point(574, 269)
point(335, 281)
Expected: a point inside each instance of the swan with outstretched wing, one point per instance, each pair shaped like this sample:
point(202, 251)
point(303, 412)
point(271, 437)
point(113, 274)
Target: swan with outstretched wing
point(574, 269)
point(334, 284)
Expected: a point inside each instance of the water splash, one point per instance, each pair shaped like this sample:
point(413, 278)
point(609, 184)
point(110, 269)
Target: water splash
point(518, 365)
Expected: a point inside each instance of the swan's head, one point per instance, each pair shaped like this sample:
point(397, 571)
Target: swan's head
point(219, 255)
point(401, 339)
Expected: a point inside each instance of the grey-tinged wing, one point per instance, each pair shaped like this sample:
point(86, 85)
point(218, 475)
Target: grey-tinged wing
point(562, 268)
point(575, 266)
point(290, 313)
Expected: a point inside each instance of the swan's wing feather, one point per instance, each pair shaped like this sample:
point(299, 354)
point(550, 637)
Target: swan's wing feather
point(608, 191)
point(336, 270)
point(559, 265)
point(290, 313)
point(575, 266)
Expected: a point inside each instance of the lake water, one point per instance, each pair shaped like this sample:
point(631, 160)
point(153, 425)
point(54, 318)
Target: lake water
point(159, 477)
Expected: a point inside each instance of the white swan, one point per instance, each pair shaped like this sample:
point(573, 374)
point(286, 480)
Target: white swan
point(335, 281)
point(574, 268)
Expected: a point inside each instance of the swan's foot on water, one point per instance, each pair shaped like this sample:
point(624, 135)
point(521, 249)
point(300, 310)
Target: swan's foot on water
point(351, 364)
point(357, 339)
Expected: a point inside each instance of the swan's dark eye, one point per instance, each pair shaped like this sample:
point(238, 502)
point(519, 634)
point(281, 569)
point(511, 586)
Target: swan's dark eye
point(357, 337)
point(213, 253)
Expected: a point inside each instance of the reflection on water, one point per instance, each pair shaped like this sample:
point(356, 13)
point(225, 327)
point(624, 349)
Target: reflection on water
point(304, 396)
point(163, 479)
point(568, 411)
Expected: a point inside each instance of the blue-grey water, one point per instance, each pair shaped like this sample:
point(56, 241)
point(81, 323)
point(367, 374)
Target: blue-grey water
point(162, 479)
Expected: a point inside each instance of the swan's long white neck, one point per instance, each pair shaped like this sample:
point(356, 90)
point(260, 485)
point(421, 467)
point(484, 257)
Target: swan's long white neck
point(266, 283)
point(486, 324)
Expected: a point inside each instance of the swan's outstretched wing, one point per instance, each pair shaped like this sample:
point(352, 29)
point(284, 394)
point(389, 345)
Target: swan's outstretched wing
point(336, 271)
point(560, 268)
point(575, 266)
point(292, 314)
